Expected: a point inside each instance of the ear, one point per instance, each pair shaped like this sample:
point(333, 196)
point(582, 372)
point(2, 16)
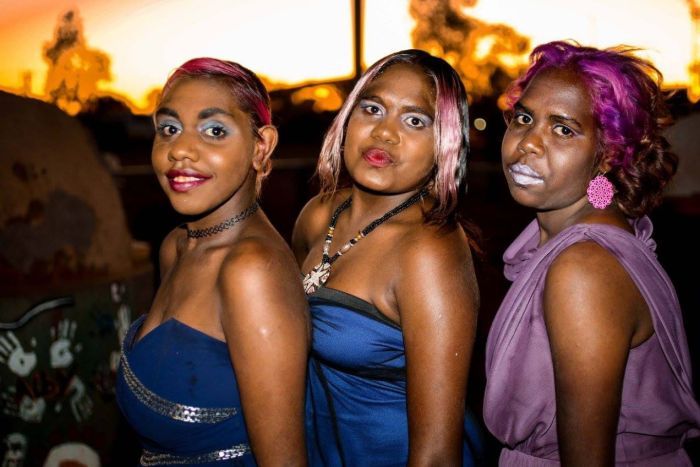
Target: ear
point(264, 146)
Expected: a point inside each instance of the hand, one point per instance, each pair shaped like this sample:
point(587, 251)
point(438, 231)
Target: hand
point(18, 361)
point(60, 351)
point(80, 402)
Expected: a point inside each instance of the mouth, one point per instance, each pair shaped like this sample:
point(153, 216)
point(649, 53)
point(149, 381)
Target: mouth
point(377, 157)
point(182, 181)
point(523, 175)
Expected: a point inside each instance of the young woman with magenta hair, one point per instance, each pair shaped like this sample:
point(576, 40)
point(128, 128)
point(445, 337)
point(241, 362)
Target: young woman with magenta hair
point(587, 362)
point(389, 273)
point(214, 374)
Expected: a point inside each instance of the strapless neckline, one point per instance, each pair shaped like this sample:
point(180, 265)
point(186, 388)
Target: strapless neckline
point(353, 303)
point(130, 342)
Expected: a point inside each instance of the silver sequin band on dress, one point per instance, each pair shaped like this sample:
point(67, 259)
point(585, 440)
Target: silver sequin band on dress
point(183, 413)
point(149, 458)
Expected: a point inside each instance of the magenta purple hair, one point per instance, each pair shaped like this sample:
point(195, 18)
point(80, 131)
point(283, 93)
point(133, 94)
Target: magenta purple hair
point(630, 110)
point(451, 131)
point(245, 86)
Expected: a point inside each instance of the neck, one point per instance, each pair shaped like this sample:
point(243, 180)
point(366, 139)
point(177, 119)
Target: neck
point(581, 212)
point(241, 200)
point(367, 206)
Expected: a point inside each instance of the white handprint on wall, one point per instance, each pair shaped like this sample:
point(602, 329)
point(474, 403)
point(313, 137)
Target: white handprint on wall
point(117, 291)
point(60, 352)
point(32, 410)
point(80, 402)
point(27, 408)
point(123, 320)
point(14, 356)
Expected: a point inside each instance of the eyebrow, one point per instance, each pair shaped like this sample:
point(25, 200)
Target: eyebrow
point(553, 117)
point(204, 114)
point(566, 119)
point(408, 108)
point(418, 109)
point(211, 111)
point(167, 111)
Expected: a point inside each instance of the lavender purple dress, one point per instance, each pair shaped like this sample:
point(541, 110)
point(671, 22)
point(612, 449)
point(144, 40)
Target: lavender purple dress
point(658, 410)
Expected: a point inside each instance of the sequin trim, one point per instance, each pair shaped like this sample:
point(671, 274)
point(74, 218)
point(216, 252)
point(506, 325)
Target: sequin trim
point(149, 458)
point(181, 412)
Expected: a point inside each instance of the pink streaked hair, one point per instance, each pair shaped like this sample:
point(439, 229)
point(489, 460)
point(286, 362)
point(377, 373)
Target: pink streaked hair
point(451, 131)
point(245, 86)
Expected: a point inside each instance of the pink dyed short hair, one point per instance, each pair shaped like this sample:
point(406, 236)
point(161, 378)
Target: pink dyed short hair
point(245, 85)
point(451, 131)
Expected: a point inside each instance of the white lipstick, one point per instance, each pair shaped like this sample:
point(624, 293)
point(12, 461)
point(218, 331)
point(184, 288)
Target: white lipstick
point(524, 175)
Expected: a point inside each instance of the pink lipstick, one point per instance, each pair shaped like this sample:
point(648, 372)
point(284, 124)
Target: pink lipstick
point(524, 176)
point(182, 181)
point(377, 157)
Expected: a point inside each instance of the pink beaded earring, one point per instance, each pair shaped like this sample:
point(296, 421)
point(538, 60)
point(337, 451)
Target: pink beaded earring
point(600, 192)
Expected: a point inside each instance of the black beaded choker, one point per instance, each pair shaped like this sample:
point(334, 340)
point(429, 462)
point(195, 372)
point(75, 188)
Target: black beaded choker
point(320, 273)
point(225, 225)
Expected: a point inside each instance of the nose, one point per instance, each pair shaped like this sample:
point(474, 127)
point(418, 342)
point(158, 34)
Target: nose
point(531, 143)
point(183, 147)
point(385, 131)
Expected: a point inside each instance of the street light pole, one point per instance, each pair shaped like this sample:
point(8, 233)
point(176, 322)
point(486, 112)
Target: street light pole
point(358, 14)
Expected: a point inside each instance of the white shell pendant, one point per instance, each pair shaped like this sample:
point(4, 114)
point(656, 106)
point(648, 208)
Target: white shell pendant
point(317, 277)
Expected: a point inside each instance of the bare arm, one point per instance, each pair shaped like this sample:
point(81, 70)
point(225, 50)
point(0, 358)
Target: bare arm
point(591, 309)
point(438, 301)
point(265, 321)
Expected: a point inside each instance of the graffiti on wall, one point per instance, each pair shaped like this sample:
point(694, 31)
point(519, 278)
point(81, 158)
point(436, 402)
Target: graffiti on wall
point(60, 369)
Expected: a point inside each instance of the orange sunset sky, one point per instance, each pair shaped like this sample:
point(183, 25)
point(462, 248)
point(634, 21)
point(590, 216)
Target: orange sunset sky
point(292, 42)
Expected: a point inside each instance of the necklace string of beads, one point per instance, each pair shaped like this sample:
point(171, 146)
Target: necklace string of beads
point(320, 273)
point(225, 225)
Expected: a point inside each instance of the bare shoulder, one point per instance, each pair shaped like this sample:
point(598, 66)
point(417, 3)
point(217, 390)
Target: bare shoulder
point(168, 250)
point(432, 246)
point(259, 258)
point(586, 263)
point(315, 214)
point(437, 256)
point(312, 222)
point(587, 283)
point(260, 269)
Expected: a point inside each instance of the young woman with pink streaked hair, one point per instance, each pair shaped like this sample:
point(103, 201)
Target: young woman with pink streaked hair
point(389, 274)
point(214, 374)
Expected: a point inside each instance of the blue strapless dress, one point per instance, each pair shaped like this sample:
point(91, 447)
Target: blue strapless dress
point(177, 389)
point(356, 411)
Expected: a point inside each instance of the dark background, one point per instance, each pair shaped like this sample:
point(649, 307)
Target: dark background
point(122, 142)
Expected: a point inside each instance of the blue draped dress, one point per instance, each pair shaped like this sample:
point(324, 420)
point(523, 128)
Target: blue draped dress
point(356, 393)
point(177, 389)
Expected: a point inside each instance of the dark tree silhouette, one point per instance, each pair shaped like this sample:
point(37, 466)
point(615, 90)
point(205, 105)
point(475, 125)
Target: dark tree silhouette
point(74, 69)
point(487, 56)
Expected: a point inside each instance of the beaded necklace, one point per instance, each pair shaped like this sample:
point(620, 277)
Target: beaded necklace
point(227, 224)
point(320, 273)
